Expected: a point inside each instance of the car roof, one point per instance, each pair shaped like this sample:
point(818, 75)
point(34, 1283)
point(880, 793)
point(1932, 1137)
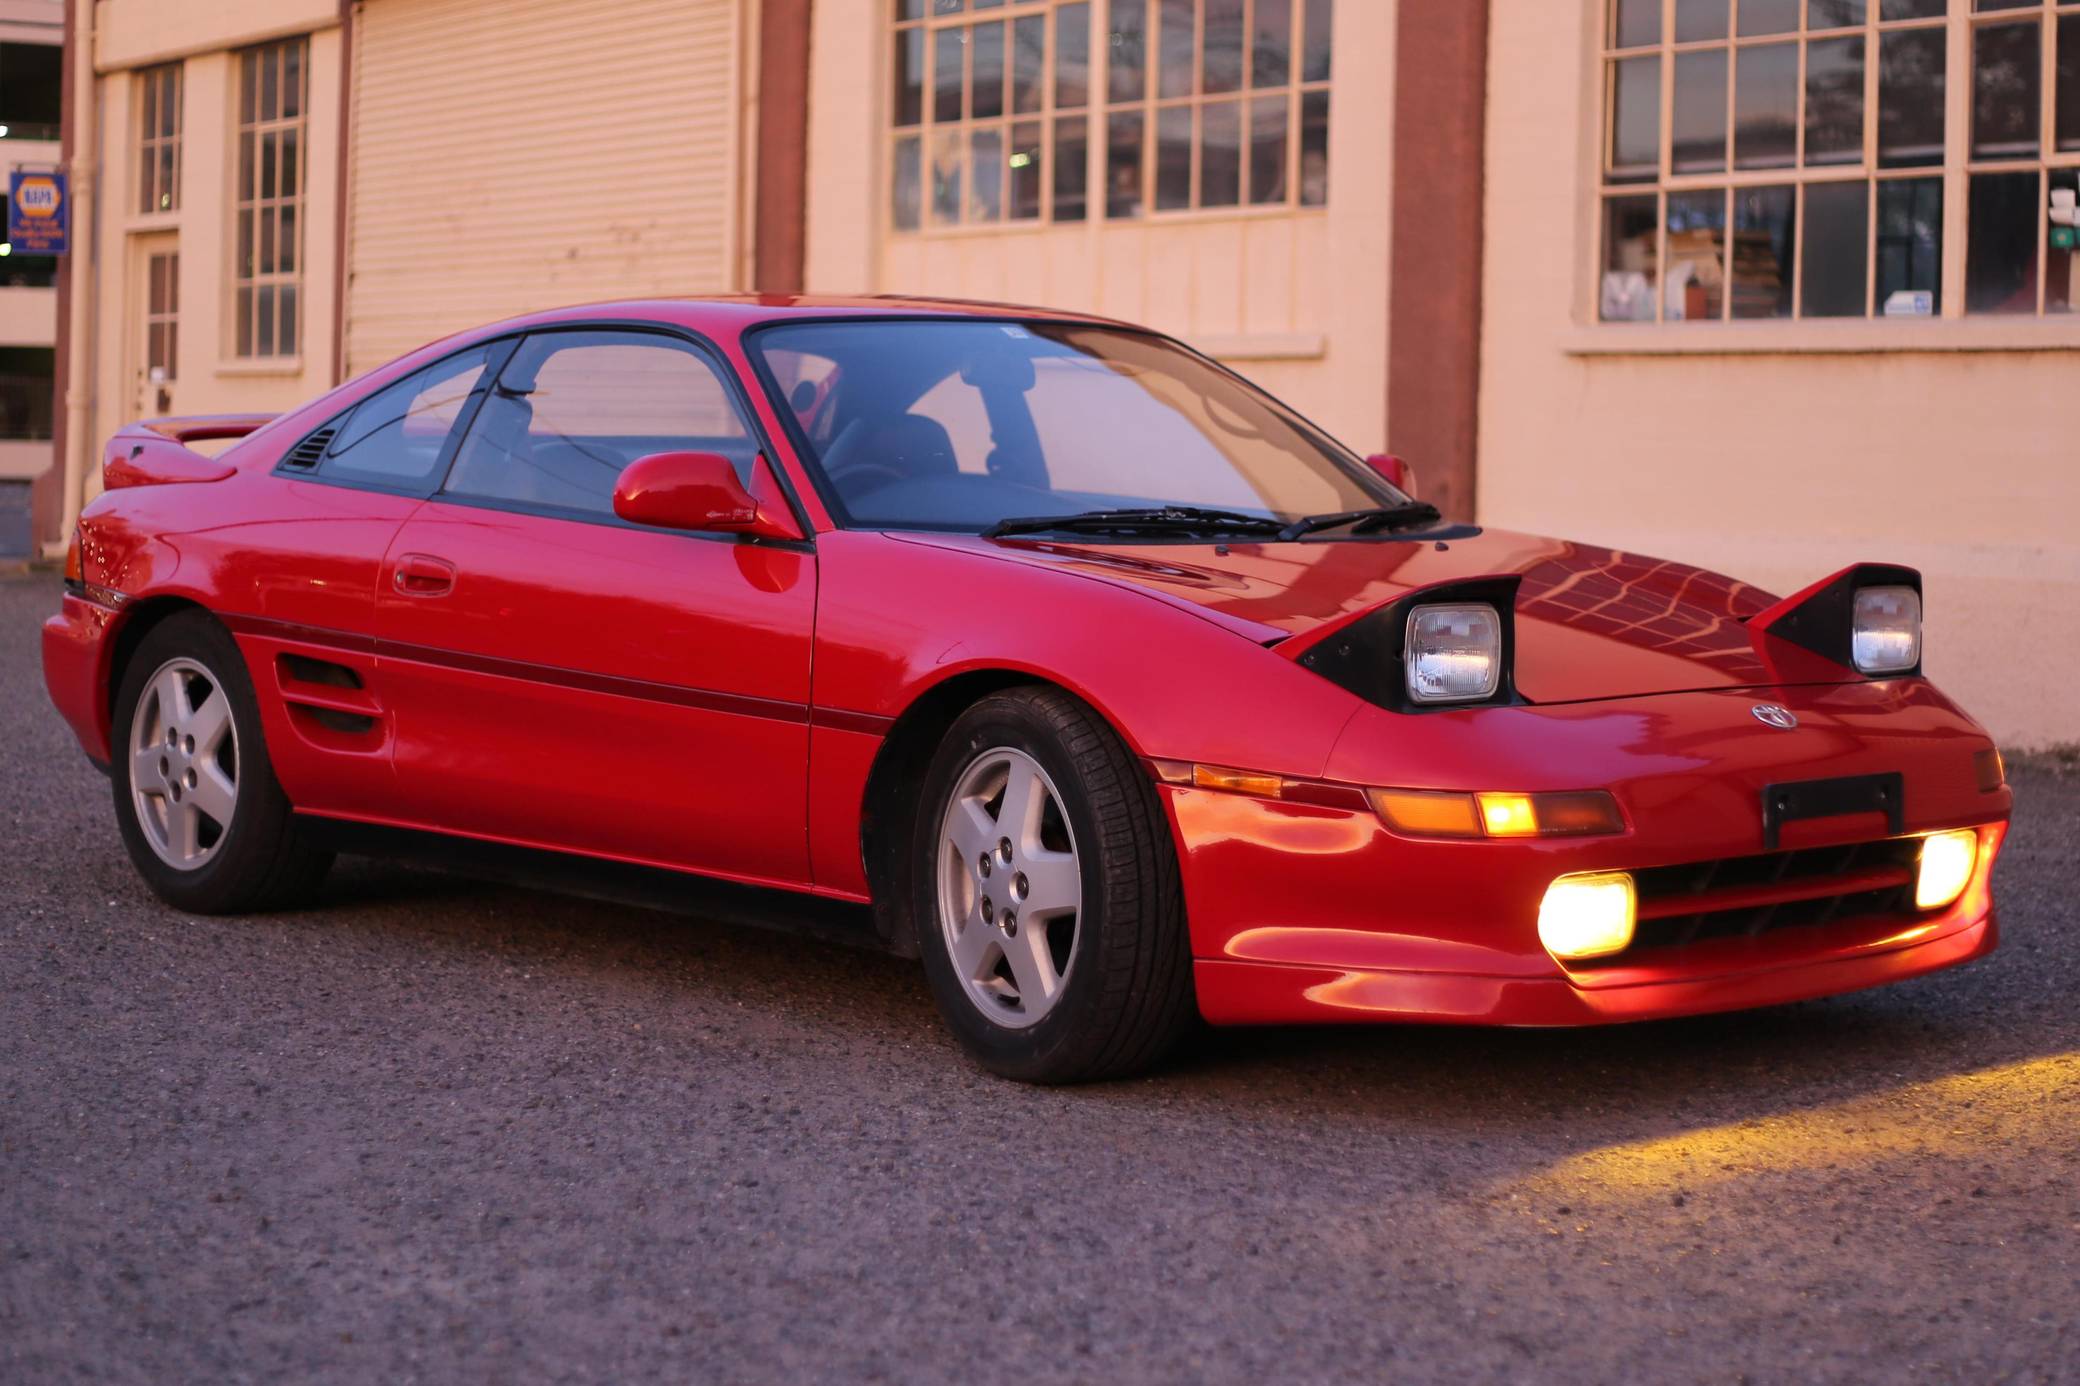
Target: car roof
point(740, 311)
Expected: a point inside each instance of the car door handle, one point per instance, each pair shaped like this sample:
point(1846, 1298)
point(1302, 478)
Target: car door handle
point(423, 575)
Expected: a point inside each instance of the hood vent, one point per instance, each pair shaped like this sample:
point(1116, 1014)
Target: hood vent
point(305, 454)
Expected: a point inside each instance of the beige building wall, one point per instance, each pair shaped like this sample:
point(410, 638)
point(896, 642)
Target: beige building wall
point(1776, 452)
point(123, 37)
point(1296, 300)
point(528, 154)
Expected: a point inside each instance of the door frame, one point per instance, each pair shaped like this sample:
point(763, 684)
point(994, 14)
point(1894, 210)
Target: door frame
point(144, 247)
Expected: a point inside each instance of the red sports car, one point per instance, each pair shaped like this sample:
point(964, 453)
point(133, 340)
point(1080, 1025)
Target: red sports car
point(1119, 691)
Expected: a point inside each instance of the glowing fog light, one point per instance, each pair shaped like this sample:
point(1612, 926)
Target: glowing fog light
point(1588, 916)
point(1886, 636)
point(1453, 653)
point(1947, 860)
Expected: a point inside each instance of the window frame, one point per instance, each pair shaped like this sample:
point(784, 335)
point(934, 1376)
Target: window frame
point(895, 29)
point(1095, 113)
point(1151, 105)
point(500, 348)
point(1960, 22)
point(243, 326)
point(152, 138)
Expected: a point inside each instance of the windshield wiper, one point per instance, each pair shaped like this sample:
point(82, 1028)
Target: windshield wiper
point(1365, 521)
point(1169, 519)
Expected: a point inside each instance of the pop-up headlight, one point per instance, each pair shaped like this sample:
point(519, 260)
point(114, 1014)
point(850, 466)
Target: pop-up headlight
point(1454, 653)
point(1885, 636)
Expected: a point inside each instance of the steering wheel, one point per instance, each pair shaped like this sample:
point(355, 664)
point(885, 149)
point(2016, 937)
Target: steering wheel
point(845, 473)
point(846, 479)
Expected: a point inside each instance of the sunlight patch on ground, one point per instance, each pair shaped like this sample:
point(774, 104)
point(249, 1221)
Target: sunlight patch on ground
point(1993, 1112)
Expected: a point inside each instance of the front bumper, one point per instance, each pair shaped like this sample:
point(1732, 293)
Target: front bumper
point(1306, 912)
point(1249, 993)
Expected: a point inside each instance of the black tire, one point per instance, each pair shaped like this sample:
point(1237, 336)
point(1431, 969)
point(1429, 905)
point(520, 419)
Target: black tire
point(1126, 995)
point(264, 858)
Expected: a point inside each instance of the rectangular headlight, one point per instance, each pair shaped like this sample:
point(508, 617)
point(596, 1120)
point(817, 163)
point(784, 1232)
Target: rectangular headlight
point(1886, 636)
point(1453, 653)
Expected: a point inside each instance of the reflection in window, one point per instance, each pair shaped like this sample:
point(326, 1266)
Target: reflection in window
point(2006, 71)
point(395, 436)
point(2069, 84)
point(1699, 115)
point(1765, 106)
point(1834, 101)
point(991, 115)
point(1910, 97)
point(1231, 93)
point(1846, 104)
point(1204, 104)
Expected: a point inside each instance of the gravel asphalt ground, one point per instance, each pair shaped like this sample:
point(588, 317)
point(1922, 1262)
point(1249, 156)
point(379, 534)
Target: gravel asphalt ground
point(436, 1131)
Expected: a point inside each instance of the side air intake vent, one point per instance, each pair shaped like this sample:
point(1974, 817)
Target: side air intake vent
point(305, 454)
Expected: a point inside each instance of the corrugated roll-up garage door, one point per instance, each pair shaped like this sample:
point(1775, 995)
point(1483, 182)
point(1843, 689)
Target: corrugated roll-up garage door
point(510, 155)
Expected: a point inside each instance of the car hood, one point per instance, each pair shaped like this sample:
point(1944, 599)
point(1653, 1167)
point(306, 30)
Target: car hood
point(1591, 622)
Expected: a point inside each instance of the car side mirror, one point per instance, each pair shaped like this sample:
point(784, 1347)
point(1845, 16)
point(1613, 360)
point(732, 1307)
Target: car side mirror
point(698, 491)
point(1400, 473)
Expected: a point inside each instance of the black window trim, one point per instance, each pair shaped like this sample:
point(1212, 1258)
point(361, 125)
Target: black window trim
point(500, 348)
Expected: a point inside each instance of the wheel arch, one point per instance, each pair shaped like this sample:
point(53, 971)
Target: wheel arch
point(898, 772)
point(140, 618)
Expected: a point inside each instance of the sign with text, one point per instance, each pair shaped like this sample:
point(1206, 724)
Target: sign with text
point(37, 213)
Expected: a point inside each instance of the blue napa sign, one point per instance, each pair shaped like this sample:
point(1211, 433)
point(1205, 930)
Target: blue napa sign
point(38, 211)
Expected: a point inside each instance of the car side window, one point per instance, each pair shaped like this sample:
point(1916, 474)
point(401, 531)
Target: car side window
point(395, 436)
point(572, 409)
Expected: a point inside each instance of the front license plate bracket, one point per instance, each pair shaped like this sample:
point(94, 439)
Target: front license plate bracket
point(1801, 799)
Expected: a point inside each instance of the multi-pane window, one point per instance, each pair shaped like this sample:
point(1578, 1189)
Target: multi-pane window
point(162, 316)
point(1795, 158)
point(272, 96)
point(159, 139)
point(991, 112)
point(1216, 103)
point(1193, 104)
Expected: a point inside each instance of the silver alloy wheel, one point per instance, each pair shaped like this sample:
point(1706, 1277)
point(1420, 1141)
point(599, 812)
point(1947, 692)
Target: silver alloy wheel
point(183, 764)
point(1010, 887)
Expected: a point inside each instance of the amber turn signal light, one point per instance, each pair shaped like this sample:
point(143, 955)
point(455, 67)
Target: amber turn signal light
point(1238, 781)
point(1222, 778)
point(75, 566)
point(1432, 813)
point(1992, 771)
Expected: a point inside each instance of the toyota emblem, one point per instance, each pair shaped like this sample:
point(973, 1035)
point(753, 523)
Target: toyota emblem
point(1771, 715)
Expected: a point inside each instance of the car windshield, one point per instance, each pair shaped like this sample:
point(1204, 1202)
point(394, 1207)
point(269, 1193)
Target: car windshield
point(969, 425)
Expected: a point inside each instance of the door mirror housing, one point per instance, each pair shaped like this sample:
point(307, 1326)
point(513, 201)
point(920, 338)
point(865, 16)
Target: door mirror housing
point(700, 491)
point(1400, 473)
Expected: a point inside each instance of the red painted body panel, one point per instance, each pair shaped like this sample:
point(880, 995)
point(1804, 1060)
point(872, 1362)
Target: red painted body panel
point(617, 691)
point(717, 704)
